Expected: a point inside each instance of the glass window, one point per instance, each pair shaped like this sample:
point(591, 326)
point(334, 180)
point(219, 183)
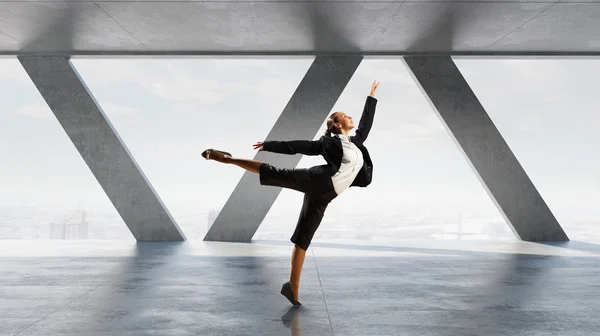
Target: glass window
point(547, 111)
point(47, 190)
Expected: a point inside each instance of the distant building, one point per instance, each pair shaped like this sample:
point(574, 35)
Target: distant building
point(57, 231)
point(73, 227)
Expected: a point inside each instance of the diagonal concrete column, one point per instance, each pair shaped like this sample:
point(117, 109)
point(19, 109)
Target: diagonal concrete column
point(484, 147)
point(100, 146)
point(302, 118)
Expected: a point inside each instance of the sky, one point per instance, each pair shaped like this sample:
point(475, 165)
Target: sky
point(168, 110)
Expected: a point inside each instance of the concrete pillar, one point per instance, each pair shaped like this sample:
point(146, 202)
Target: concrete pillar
point(485, 150)
point(101, 148)
point(301, 119)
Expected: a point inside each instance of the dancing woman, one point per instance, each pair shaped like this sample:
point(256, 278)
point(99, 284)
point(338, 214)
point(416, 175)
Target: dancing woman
point(348, 165)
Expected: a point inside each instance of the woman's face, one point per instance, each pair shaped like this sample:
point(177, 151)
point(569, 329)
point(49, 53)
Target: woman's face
point(345, 121)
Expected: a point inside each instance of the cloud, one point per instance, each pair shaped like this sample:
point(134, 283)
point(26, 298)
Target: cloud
point(388, 71)
point(40, 110)
point(160, 78)
point(119, 110)
point(37, 110)
point(269, 86)
point(180, 80)
point(538, 95)
point(183, 88)
point(420, 130)
point(12, 70)
point(236, 63)
point(178, 148)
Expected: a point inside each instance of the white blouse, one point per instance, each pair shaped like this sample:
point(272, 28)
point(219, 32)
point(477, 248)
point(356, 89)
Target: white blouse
point(352, 162)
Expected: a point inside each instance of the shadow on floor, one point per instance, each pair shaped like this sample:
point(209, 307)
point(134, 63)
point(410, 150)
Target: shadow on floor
point(491, 294)
point(575, 245)
point(518, 283)
point(135, 280)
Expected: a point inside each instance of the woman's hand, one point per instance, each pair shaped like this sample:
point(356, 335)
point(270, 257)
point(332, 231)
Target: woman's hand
point(374, 88)
point(258, 146)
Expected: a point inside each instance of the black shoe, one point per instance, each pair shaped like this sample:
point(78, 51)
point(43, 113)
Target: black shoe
point(206, 153)
point(286, 290)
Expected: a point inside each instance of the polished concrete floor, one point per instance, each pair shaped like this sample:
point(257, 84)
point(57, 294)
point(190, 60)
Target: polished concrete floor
point(201, 288)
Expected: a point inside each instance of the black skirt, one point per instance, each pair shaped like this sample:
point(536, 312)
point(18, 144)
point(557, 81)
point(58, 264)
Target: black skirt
point(315, 183)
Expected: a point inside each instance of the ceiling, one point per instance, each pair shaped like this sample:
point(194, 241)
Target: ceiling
point(314, 27)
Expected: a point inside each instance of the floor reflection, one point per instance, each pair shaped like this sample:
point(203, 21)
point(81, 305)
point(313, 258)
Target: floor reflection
point(575, 245)
point(291, 320)
point(166, 288)
point(130, 290)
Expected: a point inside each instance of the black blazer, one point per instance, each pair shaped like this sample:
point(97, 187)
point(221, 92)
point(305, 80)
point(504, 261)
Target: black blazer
point(330, 147)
